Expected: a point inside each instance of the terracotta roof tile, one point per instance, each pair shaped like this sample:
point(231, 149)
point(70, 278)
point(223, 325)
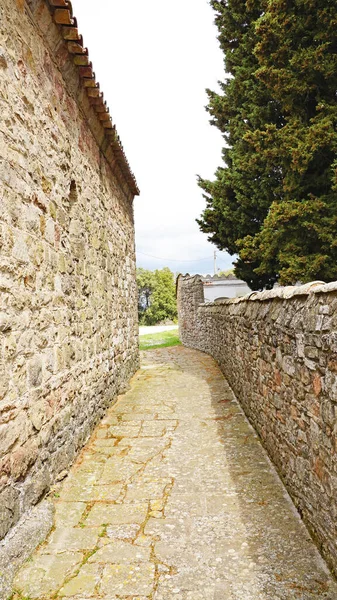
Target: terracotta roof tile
point(62, 13)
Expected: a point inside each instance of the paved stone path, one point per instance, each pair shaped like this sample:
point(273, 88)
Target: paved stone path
point(174, 499)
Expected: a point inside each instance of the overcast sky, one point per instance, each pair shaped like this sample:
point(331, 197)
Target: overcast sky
point(154, 60)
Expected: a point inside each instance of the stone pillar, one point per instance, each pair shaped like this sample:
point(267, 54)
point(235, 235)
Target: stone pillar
point(190, 294)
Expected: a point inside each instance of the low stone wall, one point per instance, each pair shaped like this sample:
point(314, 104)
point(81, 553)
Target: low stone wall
point(278, 350)
point(68, 297)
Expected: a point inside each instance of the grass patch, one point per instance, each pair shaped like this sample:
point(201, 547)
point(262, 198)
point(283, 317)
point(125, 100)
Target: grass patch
point(151, 341)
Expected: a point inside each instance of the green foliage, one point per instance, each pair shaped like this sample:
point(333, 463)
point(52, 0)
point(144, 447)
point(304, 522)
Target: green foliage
point(164, 339)
point(226, 273)
point(275, 200)
point(156, 296)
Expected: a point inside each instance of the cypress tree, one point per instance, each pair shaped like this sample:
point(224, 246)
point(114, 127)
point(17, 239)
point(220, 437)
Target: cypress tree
point(274, 201)
point(298, 65)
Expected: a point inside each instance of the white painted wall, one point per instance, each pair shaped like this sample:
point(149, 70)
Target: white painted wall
point(230, 288)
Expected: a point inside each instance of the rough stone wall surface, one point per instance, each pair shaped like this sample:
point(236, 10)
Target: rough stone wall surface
point(190, 295)
point(68, 298)
point(278, 351)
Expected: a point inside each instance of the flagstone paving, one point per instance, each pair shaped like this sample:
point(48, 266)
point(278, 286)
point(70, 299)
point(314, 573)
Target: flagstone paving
point(174, 498)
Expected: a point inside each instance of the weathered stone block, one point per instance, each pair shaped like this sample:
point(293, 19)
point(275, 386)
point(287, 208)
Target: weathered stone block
point(35, 372)
point(9, 509)
point(3, 59)
point(22, 458)
point(5, 322)
point(35, 487)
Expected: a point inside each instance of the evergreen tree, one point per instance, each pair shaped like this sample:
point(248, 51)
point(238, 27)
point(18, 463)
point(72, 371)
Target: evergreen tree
point(297, 54)
point(237, 202)
point(274, 201)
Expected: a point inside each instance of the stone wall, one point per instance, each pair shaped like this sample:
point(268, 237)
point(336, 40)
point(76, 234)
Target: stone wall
point(68, 298)
point(278, 350)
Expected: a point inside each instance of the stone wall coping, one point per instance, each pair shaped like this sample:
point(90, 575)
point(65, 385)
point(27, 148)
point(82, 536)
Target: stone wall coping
point(281, 293)
point(230, 278)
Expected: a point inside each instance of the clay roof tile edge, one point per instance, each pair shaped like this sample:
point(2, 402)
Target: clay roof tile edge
point(62, 13)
